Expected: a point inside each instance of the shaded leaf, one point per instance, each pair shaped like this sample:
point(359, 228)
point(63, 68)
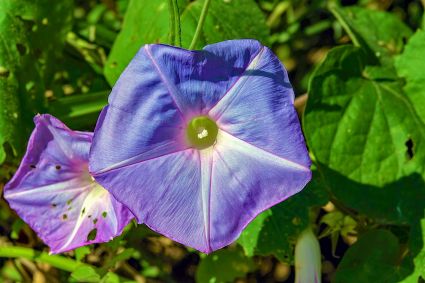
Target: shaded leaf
point(414, 257)
point(379, 257)
point(31, 35)
point(17, 226)
point(373, 258)
point(223, 266)
point(122, 256)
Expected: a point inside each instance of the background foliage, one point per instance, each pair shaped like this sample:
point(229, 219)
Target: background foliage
point(361, 63)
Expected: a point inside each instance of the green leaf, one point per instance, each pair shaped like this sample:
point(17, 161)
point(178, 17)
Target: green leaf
point(81, 252)
point(147, 21)
point(31, 35)
point(381, 33)
point(110, 278)
point(420, 244)
point(79, 111)
point(359, 125)
point(415, 257)
point(378, 257)
point(17, 226)
point(373, 258)
point(223, 266)
point(85, 274)
point(337, 224)
point(149, 270)
point(122, 256)
point(275, 231)
point(409, 65)
point(9, 272)
point(224, 23)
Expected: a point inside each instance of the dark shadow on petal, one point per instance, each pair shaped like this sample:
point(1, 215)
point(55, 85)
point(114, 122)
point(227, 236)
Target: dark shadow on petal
point(278, 77)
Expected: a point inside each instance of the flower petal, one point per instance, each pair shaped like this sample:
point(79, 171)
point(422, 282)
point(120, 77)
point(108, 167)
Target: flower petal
point(168, 194)
point(121, 140)
point(245, 181)
point(200, 78)
point(156, 96)
point(205, 198)
point(54, 193)
point(259, 110)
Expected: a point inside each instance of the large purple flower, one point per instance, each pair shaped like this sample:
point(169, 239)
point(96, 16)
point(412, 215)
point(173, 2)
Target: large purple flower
point(55, 194)
point(198, 143)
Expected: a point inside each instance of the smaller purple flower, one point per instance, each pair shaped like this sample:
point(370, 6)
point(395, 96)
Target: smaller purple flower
point(55, 194)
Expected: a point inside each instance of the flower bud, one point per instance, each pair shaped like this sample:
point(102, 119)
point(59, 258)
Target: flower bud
point(307, 258)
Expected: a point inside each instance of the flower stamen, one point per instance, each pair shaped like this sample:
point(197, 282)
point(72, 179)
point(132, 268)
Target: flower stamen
point(201, 132)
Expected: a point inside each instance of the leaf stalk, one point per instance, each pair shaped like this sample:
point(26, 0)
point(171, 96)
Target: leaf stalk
point(201, 22)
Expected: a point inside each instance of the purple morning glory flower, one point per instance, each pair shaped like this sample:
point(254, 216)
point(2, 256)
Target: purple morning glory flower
point(55, 194)
point(197, 143)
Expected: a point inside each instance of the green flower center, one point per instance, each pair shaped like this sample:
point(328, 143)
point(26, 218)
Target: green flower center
point(201, 132)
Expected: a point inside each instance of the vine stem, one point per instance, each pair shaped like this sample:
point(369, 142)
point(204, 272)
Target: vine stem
point(57, 261)
point(60, 262)
point(177, 26)
point(344, 24)
point(172, 21)
point(198, 31)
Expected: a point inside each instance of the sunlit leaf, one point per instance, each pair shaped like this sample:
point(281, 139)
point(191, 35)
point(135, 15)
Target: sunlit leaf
point(110, 278)
point(81, 252)
point(226, 20)
point(367, 137)
point(147, 21)
point(85, 274)
point(409, 66)
point(380, 33)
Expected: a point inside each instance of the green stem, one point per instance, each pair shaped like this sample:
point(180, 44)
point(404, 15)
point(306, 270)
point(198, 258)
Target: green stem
point(200, 24)
point(178, 30)
point(336, 12)
point(172, 22)
point(59, 262)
